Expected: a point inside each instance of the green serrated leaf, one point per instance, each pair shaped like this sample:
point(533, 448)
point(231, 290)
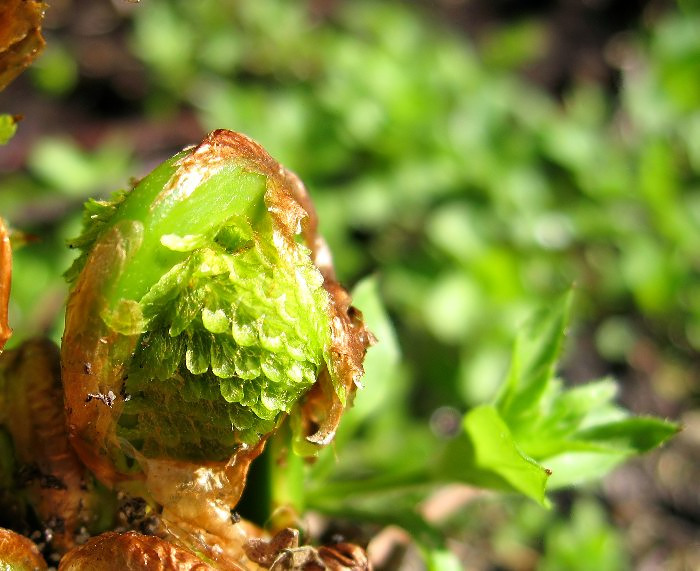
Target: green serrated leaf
point(579, 433)
point(534, 357)
point(637, 434)
point(486, 455)
point(561, 414)
point(569, 408)
point(577, 467)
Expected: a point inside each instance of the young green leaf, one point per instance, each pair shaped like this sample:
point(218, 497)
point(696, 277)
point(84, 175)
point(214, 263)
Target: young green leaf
point(560, 413)
point(578, 433)
point(533, 361)
point(486, 455)
point(592, 452)
point(637, 434)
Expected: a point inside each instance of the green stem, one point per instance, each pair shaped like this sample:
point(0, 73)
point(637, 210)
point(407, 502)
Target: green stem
point(319, 497)
point(287, 476)
point(274, 496)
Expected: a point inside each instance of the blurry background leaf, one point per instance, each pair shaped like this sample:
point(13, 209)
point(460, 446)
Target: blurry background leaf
point(62, 166)
point(587, 541)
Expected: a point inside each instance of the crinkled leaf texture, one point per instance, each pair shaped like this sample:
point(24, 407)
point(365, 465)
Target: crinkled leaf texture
point(203, 310)
point(250, 327)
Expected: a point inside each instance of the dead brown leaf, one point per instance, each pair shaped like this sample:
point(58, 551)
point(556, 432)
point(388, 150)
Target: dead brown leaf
point(20, 36)
point(131, 551)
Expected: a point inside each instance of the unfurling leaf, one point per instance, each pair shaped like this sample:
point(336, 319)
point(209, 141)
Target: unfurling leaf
point(533, 360)
point(205, 301)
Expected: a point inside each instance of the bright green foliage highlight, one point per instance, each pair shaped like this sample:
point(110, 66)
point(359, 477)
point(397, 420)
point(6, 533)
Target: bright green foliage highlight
point(442, 559)
point(233, 328)
point(69, 170)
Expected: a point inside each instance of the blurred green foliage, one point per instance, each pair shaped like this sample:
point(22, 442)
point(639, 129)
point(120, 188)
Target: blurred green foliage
point(8, 126)
point(473, 195)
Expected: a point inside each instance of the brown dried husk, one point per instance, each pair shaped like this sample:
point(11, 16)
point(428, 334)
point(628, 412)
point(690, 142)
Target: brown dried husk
point(58, 485)
point(131, 551)
point(20, 36)
point(19, 553)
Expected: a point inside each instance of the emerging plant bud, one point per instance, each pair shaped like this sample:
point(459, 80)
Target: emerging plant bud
point(203, 310)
